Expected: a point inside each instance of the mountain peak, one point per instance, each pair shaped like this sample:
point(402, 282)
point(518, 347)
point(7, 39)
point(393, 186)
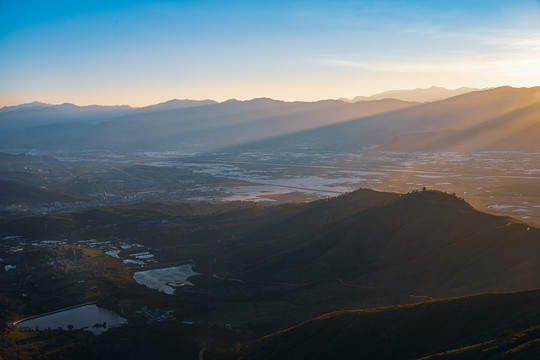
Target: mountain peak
point(32, 105)
point(435, 197)
point(433, 93)
point(174, 104)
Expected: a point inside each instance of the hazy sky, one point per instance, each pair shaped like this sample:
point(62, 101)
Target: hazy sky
point(144, 52)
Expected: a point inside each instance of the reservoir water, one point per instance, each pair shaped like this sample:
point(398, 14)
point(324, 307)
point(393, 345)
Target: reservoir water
point(83, 317)
point(165, 279)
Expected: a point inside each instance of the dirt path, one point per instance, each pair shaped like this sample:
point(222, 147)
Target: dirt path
point(201, 354)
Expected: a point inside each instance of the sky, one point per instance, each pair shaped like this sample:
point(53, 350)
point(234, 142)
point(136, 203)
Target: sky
point(145, 52)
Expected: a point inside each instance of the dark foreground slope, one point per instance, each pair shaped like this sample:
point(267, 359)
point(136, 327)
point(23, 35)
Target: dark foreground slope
point(264, 269)
point(487, 326)
point(428, 243)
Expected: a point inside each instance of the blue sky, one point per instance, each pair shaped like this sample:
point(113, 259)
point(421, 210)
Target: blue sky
point(144, 52)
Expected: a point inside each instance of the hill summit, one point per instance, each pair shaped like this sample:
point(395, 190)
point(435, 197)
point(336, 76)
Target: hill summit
point(424, 243)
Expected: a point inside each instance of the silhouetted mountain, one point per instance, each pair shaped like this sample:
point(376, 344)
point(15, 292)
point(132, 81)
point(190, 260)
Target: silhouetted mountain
point(97, 112)
point(426, 243)
point(488, 326)
point(175, 104)
point(32, 105)
point(433, 93)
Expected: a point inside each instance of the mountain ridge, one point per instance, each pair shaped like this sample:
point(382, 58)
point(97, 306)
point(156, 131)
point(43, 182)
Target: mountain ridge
point(412, 331)
point(200, 126)
point(453, 114)
point(422, 95)
point(219, 125)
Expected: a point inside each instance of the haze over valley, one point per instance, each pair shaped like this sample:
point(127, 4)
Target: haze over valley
point(267, 150)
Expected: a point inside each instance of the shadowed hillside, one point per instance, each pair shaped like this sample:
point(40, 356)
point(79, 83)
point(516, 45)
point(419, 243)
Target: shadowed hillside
point(503, 118)
point(470, 116)
point(433, 93)
point(263, 269)
point(517, 130)
point(218, 125)
point(488, 326)
point(175, 104)
point(40, 125)
point(426, 242)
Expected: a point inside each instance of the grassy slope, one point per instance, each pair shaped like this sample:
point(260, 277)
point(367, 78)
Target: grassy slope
point(409, 331)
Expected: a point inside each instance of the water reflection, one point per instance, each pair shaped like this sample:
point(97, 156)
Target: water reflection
point(166, 279)
point(87, 317)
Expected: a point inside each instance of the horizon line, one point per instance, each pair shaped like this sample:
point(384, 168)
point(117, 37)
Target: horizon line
point(345, 99)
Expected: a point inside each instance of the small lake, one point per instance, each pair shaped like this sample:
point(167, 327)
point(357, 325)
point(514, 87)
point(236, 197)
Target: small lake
point(165, 279)
point(84, 317)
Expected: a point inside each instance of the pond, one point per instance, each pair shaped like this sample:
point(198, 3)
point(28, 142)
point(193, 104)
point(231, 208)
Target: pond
point(85, 317)
point(165, 279)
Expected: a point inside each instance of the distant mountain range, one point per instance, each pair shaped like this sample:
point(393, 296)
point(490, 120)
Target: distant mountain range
point(38, 124)
point(38, 113)
point(215, 126)
point(175, 104)
point(433, 93)
point(516, 128)
point(72, 108)
point(503, 118)
point(186, 124)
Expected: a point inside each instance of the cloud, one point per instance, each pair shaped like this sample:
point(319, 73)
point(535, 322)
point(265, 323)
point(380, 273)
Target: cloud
point(502, 65)
point(493, 52)
point(404, 66)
